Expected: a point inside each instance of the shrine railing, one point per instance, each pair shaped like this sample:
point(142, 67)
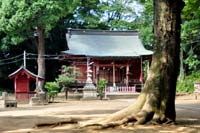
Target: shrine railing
point(121, 89)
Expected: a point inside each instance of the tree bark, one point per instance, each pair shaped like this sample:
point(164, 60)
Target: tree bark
point(157, 99)
point(41, 59)
point(166, 51)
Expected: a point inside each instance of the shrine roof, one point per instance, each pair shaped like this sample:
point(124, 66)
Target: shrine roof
point(26, 71)
point(99, 43)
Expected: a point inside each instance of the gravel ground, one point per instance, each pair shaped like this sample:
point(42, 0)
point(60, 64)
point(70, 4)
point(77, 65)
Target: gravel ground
point(24, 117)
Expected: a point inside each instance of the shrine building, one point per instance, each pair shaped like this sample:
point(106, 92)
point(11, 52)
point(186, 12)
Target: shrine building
point(22, 82)
point(116, 56)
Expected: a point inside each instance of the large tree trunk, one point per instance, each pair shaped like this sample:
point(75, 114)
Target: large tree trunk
point(157, 99)
point(161, 82)
point(41, 59)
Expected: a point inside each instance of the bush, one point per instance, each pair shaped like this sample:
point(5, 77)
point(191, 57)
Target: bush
point(101, 87)
point(187, 85)
point(67, 78)
point(52, 89)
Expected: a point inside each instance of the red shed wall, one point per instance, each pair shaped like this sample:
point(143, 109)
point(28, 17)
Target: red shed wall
point(22, 84)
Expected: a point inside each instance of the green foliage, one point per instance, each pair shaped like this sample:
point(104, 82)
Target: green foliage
point(101, 87)
point(101, 14)
point(190, 34)
point(65, 80)
point(147, 36)
point(187, 85)
point(145, 22)
point(68, 77)
point(86, 15)
point(192, 61)
point(20, 18)
point(118, 14)
point(190, 44)
point(191, 9)
point(52, 89)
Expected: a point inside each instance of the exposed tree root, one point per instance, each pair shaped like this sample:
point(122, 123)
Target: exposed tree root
point(104, 125)
point(54, 124)
point(166, 121)
point(121, 117)
point(140, 112)
point(143, 117)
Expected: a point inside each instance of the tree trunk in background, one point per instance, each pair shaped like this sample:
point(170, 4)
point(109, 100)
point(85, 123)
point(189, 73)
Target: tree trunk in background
point(182, 71)
point(41, 59)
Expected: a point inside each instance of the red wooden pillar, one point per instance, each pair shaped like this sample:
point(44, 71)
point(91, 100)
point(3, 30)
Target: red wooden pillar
point(127, 74)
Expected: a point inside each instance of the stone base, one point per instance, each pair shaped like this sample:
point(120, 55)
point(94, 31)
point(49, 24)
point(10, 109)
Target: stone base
point(89, 94)
point(106, 98)
point(89, 98)
point(8, 103)
point(34, 101)
point(39, 99)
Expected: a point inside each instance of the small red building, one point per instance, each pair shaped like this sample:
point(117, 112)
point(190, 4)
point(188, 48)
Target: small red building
point(116, 56)
point(22, 81)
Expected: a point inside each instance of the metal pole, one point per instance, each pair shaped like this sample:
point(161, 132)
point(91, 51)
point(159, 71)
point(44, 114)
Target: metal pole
point(24, 59)
point(114, 85)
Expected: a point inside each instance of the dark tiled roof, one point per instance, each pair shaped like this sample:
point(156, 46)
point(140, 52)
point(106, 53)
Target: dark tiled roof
point(98, 43)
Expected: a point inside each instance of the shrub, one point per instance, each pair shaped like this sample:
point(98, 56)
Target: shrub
point(101, 87)
point(67, 78)
point(187, 85)
point(52, 89)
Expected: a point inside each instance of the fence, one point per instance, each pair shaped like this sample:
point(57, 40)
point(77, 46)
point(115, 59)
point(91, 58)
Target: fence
point(121, 89)
point(196, 89)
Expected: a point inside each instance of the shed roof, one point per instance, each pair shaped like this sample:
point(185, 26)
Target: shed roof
point(12, 75)
point(98, 43)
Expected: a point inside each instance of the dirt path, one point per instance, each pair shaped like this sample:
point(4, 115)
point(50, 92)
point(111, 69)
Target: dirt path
point(23, 118)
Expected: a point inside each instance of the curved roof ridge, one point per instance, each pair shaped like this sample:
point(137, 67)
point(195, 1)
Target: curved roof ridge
point(26, 70)
point(102, 32)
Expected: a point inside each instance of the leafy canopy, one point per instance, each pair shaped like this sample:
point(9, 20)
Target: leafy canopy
point(190, 34)
point(20, 18)
point(118, 14)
